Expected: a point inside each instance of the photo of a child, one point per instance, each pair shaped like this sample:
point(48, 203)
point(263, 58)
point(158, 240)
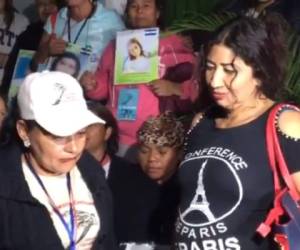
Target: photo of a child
point(136, 60)
point(136, 56)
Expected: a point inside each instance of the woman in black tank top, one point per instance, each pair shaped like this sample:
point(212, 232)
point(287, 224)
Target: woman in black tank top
point(226, 181)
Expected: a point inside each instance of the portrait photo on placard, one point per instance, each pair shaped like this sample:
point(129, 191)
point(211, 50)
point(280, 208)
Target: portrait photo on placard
point(136, 56)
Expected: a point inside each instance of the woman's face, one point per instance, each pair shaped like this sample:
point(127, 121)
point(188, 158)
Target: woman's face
point(142, 14)
point(45, 8)
point(66, 65)
point(158, 162)
point(50, 154)
point(134, 50)
point(2, 111)
point(96, 137)
point(231, 81)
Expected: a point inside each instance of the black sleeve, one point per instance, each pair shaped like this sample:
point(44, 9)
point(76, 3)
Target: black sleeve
point(291, 151)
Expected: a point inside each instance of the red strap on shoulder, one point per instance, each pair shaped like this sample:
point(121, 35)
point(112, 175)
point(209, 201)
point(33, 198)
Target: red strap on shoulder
point(279, 168)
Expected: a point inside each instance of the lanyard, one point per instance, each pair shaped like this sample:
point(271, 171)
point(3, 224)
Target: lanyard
point(78, 33)
point(70, 230)
point(81, 27)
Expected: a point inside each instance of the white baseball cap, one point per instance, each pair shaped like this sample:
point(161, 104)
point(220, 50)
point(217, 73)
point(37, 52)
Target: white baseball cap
point(55, 101)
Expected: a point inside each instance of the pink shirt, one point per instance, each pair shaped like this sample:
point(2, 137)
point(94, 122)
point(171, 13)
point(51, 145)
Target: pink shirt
point(171, 51)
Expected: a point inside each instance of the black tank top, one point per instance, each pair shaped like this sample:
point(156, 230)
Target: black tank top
point(226, 187)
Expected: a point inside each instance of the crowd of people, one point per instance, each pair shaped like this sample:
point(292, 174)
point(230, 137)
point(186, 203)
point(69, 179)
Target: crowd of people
point(182, 173)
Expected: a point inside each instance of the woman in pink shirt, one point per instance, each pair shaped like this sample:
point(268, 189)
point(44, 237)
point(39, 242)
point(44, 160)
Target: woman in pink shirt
point(173, 51)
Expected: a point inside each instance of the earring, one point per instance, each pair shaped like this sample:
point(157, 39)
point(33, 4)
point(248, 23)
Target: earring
point(26, 143)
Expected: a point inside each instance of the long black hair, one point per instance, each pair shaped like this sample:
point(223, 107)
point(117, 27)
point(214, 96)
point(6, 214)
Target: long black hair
point(260, 43)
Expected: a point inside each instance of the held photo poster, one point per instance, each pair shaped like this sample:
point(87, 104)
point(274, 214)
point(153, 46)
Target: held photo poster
point(20, 71)
point(136, 56)
point(74, 61)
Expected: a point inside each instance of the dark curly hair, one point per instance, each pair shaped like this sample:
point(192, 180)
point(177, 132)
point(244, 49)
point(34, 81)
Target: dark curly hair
point(260, 43)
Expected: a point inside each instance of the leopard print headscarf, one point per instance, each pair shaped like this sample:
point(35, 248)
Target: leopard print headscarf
point(163, 130)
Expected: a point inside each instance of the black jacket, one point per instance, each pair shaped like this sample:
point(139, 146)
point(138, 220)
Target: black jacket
point(135, 199)
point(26, 224)
point(144, 210)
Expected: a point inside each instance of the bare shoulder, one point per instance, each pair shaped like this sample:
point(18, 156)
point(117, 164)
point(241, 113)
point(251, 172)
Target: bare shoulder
point(296, 179)
point(289, 123)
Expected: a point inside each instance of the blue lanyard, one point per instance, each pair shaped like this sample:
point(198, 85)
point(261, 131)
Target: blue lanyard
point(70, 230)
point(81, 27)
point(78, 33)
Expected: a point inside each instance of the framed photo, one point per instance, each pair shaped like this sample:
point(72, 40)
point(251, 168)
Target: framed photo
point(136, 56)
point(74, 61)
point(20, 71)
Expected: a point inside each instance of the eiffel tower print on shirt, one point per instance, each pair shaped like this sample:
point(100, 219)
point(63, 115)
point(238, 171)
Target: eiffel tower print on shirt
point(200, 202)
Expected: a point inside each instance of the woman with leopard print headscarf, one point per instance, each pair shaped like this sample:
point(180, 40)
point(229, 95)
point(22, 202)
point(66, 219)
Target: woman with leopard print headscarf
point(160, 145)
point(160, 142)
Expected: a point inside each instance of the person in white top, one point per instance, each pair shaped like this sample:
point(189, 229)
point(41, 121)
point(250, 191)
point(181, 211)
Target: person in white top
point(11, 25)
point(85, 24)
point(117, 5)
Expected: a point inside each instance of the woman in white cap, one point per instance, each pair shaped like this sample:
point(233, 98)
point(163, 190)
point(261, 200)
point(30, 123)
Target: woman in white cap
point(52, 194)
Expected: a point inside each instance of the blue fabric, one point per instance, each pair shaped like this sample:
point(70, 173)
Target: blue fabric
point(290, 229)
point(99, 30)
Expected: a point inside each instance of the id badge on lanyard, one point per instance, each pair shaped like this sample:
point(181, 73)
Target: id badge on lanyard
point(127, 104)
